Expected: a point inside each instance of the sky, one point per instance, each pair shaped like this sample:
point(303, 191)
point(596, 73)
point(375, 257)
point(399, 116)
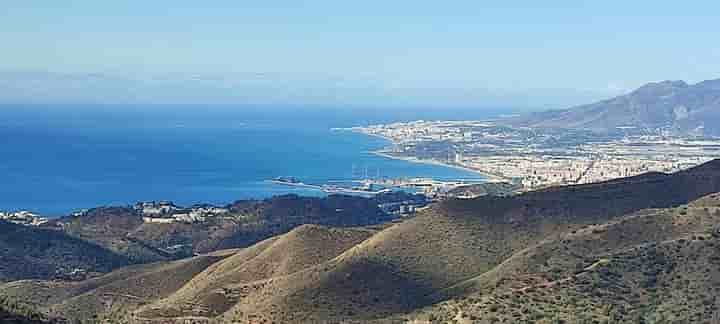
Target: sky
point(363, 52)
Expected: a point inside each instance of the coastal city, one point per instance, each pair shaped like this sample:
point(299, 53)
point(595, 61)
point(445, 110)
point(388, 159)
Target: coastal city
point(537, 158)
point(510, 159)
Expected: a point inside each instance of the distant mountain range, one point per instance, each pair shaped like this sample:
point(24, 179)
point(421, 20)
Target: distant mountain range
point(675, 107)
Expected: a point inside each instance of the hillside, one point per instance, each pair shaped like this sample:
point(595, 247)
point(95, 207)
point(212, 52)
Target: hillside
point(122, 230)
point(14, 313)
point(404, 266)
point(105, 238)
point(113, 295)
point(9, 318)
point(484, 189)
point(29, 252)
point(110, 227)
point(651, 265)
point(233, 280)
point(200, 286)
point(632, 249)
point(674, 106)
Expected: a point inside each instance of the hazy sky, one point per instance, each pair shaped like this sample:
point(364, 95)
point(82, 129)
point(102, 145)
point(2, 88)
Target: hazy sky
point(409, 47)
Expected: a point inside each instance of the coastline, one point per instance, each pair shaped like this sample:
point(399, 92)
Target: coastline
point(489, 177)
point(385, 154)
point(353, 130)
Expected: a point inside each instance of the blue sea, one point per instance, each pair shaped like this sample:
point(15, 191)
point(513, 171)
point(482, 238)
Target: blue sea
point(55, 159)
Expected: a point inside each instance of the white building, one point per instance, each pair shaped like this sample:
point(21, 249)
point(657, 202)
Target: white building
point(158, 220)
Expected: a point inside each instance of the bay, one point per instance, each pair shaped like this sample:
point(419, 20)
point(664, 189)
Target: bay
point(58, 158)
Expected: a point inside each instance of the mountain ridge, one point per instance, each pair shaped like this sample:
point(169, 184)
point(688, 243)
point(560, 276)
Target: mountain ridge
point(674, 107)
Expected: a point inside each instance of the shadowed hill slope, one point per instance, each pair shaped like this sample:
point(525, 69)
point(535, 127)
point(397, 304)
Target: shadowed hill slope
point(595, 201)
point(655, 264)
point(559, 251)
point(401, 268)
point(110, 227)
point(105, 238)
point(561, 256)
point(227, 283)
point(122, 230)
point(113, 295)
point(13, 313)
point(30, 252)
point(11, 318)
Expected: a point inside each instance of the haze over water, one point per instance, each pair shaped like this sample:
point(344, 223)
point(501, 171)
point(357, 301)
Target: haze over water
point(56, 159)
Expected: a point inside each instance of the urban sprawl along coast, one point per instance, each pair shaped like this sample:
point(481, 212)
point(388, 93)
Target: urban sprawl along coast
point(536, 158)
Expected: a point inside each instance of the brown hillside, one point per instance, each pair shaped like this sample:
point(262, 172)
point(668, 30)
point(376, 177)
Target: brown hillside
point(226, 283)
point(655, 265)
point(30, 252)
point(112, 227)
point(400, 268)
point(7, 317)
point(114, 294)
point(594, 249)
point(559, 257)
point(122, 230)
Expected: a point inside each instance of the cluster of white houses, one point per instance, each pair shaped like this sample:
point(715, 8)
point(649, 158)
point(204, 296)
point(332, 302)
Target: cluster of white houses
point(165, 212)
point(23, 218)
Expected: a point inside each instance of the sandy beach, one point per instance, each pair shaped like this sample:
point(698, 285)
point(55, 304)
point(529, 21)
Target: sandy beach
point(435, 162)
point(386, 154)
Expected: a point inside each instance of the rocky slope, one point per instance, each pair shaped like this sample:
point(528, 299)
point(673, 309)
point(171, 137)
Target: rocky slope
point(674, 106)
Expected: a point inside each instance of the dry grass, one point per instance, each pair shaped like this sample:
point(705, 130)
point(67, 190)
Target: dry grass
point(229, 282)
point(123, 289)
point(625, 250)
